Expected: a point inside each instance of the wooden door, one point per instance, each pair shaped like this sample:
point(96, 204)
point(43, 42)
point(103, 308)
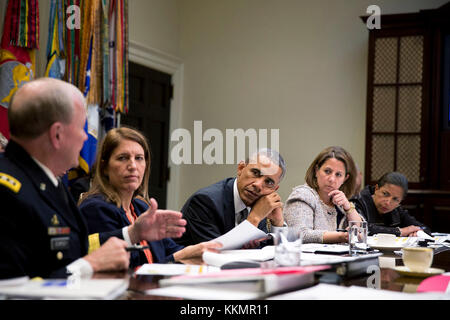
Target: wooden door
point(151, 92)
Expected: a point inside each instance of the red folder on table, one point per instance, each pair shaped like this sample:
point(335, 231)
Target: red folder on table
point(259, 280)
point(437, 283)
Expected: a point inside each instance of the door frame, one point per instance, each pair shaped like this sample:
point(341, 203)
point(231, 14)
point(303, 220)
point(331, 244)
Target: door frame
point(161, 61)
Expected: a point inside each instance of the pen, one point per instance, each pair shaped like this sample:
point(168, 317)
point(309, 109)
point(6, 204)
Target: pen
point(136, 248)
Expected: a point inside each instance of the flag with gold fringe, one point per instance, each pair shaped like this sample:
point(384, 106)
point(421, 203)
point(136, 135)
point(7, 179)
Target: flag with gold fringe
point(88, 47)
point(119, 55)
point(90, 82)
point(17, 52)
point(107, 113)
point(55, 46)
point(72, 40)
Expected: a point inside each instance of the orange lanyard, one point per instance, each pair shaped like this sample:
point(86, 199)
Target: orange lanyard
point(131, 218)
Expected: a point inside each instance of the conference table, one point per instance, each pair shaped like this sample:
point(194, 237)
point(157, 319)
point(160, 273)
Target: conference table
point(390, 279)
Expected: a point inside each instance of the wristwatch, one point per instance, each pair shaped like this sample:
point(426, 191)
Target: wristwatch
point(352, 206)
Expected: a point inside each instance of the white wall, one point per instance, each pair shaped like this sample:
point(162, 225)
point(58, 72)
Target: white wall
point(154, 23)
point(300, 66)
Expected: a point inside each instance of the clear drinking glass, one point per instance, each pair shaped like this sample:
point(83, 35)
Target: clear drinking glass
point(357, 237)
point(287, 243)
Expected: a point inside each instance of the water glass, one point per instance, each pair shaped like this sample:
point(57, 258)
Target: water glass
point(287, 246)
point(357, 237)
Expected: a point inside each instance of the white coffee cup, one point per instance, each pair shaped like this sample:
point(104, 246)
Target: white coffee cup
point(386, 239)
point(417, 259)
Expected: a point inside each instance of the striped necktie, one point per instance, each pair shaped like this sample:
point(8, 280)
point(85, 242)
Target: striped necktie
point(241, 216)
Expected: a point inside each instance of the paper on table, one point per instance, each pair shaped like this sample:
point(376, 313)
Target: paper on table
point(219, 259)
point(14, 281)
point(240, 235)
point(329, 248)
point(167, 269)
point(64, 289)
point(422, 234)
point(399, 241)
point(324, 291)
point(202, 293)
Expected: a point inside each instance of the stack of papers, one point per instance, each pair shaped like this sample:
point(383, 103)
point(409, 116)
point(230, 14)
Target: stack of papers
point(174, 269)
point(324, 291)
point(202, 293)
point(64, 289)
point(308, 257)
point(243, 255)
point(325, 248)
point(237, 284)
point(439, 240)
point(399, 243)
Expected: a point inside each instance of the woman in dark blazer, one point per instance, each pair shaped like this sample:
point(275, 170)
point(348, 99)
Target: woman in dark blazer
point(380, 206)
point(118, 203)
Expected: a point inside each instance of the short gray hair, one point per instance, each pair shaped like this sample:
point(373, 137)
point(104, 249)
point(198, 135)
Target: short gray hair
point(274, 156)
point(38, 104)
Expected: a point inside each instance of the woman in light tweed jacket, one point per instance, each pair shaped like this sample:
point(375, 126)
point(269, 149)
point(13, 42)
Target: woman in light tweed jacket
point(319, 206)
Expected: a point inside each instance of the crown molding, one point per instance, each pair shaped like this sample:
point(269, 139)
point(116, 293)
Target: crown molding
point(153, 58)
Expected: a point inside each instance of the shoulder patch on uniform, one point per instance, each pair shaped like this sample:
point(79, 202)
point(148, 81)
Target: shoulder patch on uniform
point(10, 182)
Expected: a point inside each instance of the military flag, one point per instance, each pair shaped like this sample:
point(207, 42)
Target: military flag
point(17, 52)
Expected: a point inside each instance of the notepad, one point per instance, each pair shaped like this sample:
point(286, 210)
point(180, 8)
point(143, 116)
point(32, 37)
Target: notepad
point(167, 269)
point(325, 248)
point(227, 256)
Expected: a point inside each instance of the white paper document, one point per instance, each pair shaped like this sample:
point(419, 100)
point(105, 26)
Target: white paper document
point(240, 235)
point(226, 256)
point(421, 234)
point(168, 269)
point(324, 291)
point(311, 259)
point(202, 293)
point(65, 289)
point(325, 248)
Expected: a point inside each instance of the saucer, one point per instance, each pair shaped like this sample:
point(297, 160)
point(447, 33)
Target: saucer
point(422, 274)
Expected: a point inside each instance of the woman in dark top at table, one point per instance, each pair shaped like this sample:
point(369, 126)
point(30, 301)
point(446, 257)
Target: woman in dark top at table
point(118, 203)
point(380, 205)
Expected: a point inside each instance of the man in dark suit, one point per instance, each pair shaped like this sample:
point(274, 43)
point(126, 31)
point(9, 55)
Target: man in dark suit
point(216, 209)
point(43, 233)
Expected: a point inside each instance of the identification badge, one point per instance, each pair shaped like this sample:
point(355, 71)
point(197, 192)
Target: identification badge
point(59, 243)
